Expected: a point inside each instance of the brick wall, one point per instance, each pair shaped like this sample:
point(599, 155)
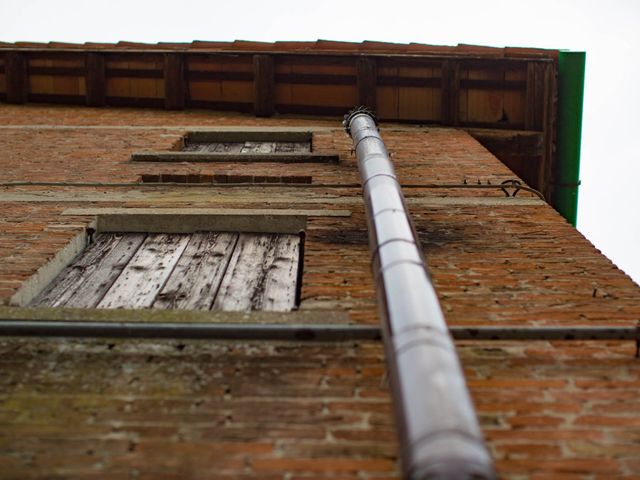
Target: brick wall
point(126, 409)
point(284, 410)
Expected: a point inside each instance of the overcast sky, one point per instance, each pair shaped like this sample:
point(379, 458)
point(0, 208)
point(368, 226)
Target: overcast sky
point(608, 31)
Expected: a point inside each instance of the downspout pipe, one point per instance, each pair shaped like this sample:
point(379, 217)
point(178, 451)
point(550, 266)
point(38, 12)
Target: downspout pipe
point(571, 69)
point(439, 433)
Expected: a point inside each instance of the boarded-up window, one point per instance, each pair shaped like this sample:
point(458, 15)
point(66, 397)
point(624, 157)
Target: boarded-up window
point(198, 271)
point(246, 142)
point(248, 147)
point(241, 146)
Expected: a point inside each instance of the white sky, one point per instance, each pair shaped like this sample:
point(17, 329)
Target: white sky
point(608, 31)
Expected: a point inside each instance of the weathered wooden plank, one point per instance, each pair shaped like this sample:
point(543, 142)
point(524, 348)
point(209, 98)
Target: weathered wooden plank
point(235, 147)
point(196, 147)
point(281, 279)
point(242, 278)
point(95, 79)
point(146, 273)
point(105, 273)
point(367, 81)
point(293, 147)
point(249, 147)
point(17, 84)
point(92, 274)
point(285, 147)
point(302, 147)
point(64, 286)
point(174, 84)
point(215, 147)
point(258, 147)
point(264, 92)
point(261, 274)
point(196, 278)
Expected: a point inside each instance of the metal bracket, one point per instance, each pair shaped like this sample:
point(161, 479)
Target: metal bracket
point(515, 184)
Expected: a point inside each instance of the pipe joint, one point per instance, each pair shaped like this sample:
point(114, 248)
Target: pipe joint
point(361, 110)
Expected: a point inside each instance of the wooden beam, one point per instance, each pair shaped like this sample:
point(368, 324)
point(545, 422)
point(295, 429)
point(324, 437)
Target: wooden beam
point(95, 80)
point(209, 76)
point(548, 127)
point(315, 79)
point(534, 113)
point(450, 92)
point(174, 84)
point(367, 82)
point(324, 110)
point(264, 92)
point(17, 81)
point(134, 73)
point(395, 81)
point(57, 71)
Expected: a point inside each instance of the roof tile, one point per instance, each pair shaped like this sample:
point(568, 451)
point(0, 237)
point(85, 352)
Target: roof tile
point(367, 46)
point(529, 52)
point(249, 45)
point(332, 45)
point(30, 44)
point(479, 50)
point(203, 44)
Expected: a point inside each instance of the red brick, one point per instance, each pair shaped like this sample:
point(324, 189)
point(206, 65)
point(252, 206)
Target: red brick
point(548, 409)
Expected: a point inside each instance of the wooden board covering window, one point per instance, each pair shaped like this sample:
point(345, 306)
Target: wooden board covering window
point(199, 271)
point(248, 147)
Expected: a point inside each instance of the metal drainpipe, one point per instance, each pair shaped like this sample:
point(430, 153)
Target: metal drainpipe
point(571, 67)
point(439, 433)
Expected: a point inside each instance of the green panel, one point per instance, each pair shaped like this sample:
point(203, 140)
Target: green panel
point(570, 98)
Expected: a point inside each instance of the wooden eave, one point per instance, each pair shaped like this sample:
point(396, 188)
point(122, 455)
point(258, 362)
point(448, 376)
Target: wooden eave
point(506, 98)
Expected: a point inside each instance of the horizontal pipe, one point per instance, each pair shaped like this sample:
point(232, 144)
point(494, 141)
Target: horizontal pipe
point(438, 430)
point(470, 186)
point(314, 332)
point(545, 333)
point(187, 331)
